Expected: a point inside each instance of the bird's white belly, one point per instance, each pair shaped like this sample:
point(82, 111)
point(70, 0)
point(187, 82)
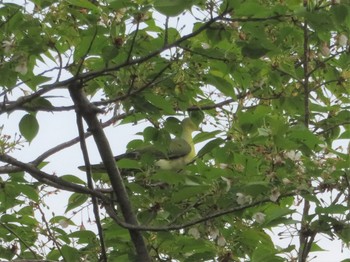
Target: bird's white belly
point(172, 164)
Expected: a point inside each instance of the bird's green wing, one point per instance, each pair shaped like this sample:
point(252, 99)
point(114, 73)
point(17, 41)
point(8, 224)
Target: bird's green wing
point(177, 147)
point(179, 152)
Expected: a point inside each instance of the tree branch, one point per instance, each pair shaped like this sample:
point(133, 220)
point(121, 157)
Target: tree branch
point(88, 112)
point(303, 236)
point(91, 186)
point(195, 221)
point(51, 180)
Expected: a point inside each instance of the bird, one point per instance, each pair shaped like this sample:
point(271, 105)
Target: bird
point(179, 153)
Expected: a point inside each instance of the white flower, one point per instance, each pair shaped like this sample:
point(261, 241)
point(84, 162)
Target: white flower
point(243, 199)
point(223, 165)
point(259, 217)
point(214, 233)
point(325, 51)
point(120, 14)
point(22, 67)
point(228, 183)
point(323, 146)
point(342, 40)
point(63, 223)
point(7, 45)
point(293, 155)
point(275, 194)
point(286, 181)
point(193, 231)
point(205, 45)
point(278, 160)
point(221, 241)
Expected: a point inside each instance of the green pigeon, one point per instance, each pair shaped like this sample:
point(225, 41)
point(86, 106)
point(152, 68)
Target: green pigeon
point(179, 153)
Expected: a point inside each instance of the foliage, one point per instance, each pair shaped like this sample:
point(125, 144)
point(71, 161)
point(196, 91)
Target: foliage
point(270, 79)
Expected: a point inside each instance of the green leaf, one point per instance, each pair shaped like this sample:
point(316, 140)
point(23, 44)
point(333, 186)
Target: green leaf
point(73, 179)
point(332, 209)
point(254, 50)
point(345, 135)
point(119, 4)
point(84, 4)
point(70, 254)
point(109, 52)
point(265, 254)
point(76, 200)
point(29, 127)
point(54, 254)
point(256, 187)
point(188, 192)
point(251, 8)
point(304, 136)
point(29, 191)
point(6, 253)
point(33, 82)
point(222, 84)
point(160, 102)
point(210, 146)
point(169, 177)
point(84, 236)
point(340, 12)
point(172, 7)
point(316, 248)
point(203, 136)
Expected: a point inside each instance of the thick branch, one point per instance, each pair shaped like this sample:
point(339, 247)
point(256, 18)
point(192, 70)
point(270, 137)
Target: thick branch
point(88, 112)
point(304, 241)
point(51, 180)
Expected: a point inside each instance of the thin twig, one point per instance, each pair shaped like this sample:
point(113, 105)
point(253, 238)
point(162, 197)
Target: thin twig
point(193, 222)
point(82, 60)
point(48, 230)
point(133, 41)
point(91, 186)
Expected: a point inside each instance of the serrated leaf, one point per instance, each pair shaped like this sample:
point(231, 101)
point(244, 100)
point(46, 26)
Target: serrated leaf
point(29, 127)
